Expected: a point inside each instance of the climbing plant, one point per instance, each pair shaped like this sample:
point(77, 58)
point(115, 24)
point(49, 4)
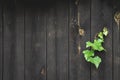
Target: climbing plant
point(96, 45)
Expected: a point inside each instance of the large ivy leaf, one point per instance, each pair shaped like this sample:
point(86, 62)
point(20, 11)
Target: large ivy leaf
point(96, 61)
point(97, 45)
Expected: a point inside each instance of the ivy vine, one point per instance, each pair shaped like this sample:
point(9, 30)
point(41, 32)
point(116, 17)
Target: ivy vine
point(96, 45)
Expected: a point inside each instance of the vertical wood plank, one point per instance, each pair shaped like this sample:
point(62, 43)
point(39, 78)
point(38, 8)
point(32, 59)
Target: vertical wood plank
point(73, 32)
point(116, 42)
point(51, 46)
point(35, 43)
point(1, 54)
point(84, 21)
point(79, 19)
point(9, 40)
point(101, 16)
point(19, 52)
point(62, 39)
point(13, 41)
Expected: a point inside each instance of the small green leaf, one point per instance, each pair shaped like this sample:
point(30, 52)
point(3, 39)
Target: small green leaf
point(105, 31)
point(100, 35)
point(96, 61)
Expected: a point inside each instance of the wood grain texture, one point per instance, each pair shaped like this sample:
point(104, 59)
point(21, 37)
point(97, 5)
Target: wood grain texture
point(79, 19)
point(13, 42)
point(1, 30)
point(51, 43)
point(9, 41)
point(84, 21)
point(35, 44)
point(73, 69)
point(39, 40)
point(62, 39)
point(19, 52)
point(101, 16)
point(116, 42)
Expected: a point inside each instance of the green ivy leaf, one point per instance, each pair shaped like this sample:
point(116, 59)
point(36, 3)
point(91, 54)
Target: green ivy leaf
point(105, 31)
point(89, 44)
point(100, 35)
point(96, 61)
point(88, 53)
point(100, 40)
point(97, 45)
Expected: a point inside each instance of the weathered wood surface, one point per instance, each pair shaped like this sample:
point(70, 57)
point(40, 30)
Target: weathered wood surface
point(40, 40)
point(101, 16)
point(116, 43)
point(1, 39)
point(35, 44)
point(51, 43)
point(62, 39)
point(13, 44)
point(79, 19)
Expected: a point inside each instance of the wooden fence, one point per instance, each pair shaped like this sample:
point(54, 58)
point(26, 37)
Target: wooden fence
point(39, 39)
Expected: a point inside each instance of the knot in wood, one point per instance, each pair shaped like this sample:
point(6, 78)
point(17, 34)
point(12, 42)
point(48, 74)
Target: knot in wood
point(81, 32)
point(117, 18)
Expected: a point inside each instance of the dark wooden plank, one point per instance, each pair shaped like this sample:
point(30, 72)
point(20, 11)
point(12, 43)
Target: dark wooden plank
point(9, 40)
point(35, 43)
point(116, 52)
point(116, 42)
point(19, 51)
point(1, 41)
point(13, 42)
point(79, 19)
point(101, 16)
point(51, 48)
point(62, 39)
point(84, 12)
